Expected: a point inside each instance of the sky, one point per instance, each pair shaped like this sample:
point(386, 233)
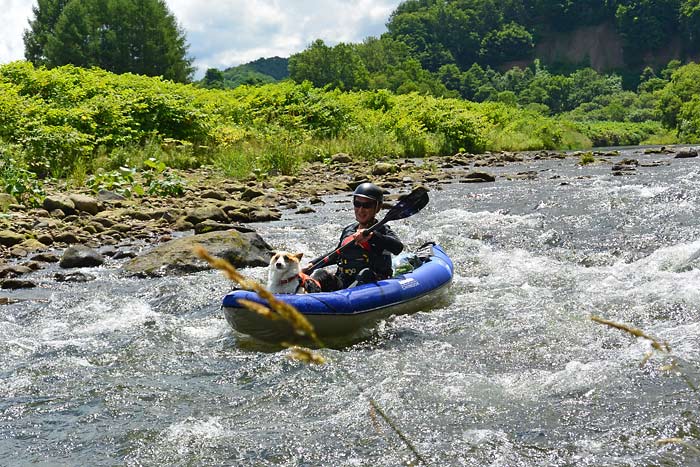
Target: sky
point(226, 33)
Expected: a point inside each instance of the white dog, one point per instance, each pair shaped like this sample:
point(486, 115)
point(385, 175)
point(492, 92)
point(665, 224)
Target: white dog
point(284, 275)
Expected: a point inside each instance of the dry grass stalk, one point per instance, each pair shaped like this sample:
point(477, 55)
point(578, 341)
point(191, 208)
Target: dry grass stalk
point(680, 441)
point(672, 366)
point(277, 308)
point(281, 310)
point(306, 356)
point(661, 347)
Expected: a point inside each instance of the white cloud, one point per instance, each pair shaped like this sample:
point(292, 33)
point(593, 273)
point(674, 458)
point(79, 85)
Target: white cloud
point(225, 33)
point(13, 21)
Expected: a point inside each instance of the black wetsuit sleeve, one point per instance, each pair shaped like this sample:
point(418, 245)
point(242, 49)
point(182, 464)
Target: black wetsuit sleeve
point(387, 240)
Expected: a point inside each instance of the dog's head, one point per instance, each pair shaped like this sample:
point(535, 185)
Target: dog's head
point(284, 260)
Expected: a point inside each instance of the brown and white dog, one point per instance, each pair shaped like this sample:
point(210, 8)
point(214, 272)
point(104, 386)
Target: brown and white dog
point(285, 276)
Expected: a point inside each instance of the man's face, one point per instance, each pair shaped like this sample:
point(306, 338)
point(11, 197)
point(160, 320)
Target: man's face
point(365, 209)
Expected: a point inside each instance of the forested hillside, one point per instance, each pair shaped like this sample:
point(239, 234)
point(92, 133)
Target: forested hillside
point(413, 92)
point(489, 32)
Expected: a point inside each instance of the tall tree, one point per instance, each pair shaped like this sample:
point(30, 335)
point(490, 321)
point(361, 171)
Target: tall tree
point(138, 36)
point(46, 14)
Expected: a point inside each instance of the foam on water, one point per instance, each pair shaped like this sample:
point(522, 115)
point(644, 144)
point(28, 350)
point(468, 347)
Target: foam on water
point(509, 371)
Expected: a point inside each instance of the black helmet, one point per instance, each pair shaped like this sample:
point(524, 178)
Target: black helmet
point(369, 190)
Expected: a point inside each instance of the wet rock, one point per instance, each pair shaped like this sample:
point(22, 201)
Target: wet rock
point(124, 254)
point(13, 270)
point(33, 265)
point(182, 225)
point(177, 257)
point(45, 238)
point(45, 258)
point(625, 167)
point(31, 245)
point(10, 238)
point(265, 215)
point(80, 256)
point(477, 177)
point(70, 238)
point(686, 153)
point(305, 210)
point(121, 227)
point(211, 226)
point(383, 168)
point(73, 277)
point(105, 222)
point(213, 194)
point(14, 284)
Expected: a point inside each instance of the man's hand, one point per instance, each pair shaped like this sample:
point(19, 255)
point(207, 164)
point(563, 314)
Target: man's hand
point(361, 235)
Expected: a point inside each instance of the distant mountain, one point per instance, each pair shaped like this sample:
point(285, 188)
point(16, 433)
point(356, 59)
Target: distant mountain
point(260, 71)
point(276, 67)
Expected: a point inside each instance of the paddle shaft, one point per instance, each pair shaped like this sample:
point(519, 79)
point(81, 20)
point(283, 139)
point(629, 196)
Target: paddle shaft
point(335, 253)
point(407, 206)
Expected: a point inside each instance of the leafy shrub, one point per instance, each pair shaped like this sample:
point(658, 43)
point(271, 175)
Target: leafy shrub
point(17, 180)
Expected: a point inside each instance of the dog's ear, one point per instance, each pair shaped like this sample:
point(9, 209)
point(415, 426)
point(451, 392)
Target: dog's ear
point(298, 256)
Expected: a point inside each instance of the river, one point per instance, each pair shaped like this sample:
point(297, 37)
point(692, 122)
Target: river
point(511, 371)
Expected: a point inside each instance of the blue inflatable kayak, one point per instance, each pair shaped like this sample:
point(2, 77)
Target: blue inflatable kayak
point(347, 311)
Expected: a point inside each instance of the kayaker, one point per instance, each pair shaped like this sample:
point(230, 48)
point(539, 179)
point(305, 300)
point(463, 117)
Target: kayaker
point(368, 258)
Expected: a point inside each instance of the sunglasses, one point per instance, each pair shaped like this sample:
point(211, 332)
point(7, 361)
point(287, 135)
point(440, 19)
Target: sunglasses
point(366, 205)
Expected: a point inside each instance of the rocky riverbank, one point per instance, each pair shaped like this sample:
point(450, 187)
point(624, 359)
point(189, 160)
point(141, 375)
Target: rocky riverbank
point(79, 229)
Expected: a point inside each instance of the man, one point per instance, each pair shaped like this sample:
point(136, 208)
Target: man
point(368, 257)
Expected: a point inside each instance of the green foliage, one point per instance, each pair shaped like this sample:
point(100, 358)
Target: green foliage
point(510, 42)
point(619, 133)
point(96, 126)
point(586, 158)
point(18, 180)
point(120, 181)
point(138, 36)
point(442, 32)
point(160, 180)
point(338, 67)
point(261, 71)
point(156, 179)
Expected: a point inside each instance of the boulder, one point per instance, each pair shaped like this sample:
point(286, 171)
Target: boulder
point(478, 177)
point(383, 168)
point(201, 214)
point(341, 158)
point(241, 249)
point(17, 284)
point(10, 238)
point(79, 256)
point(85, 203)
point(59, 202)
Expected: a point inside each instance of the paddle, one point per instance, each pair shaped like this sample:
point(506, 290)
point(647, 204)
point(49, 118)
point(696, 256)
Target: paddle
point(407, 206)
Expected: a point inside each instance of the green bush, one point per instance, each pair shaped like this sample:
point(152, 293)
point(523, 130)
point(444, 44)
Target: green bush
point(73, 122)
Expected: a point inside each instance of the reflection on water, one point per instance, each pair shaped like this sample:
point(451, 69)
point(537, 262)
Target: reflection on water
point(510, 371)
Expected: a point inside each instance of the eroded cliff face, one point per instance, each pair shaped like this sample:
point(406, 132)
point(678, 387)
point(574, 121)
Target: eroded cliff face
point(600, 46)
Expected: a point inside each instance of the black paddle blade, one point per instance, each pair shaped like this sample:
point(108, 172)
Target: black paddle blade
point(408, 205)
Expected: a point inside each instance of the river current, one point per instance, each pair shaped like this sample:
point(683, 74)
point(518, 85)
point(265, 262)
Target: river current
point(511, 371)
